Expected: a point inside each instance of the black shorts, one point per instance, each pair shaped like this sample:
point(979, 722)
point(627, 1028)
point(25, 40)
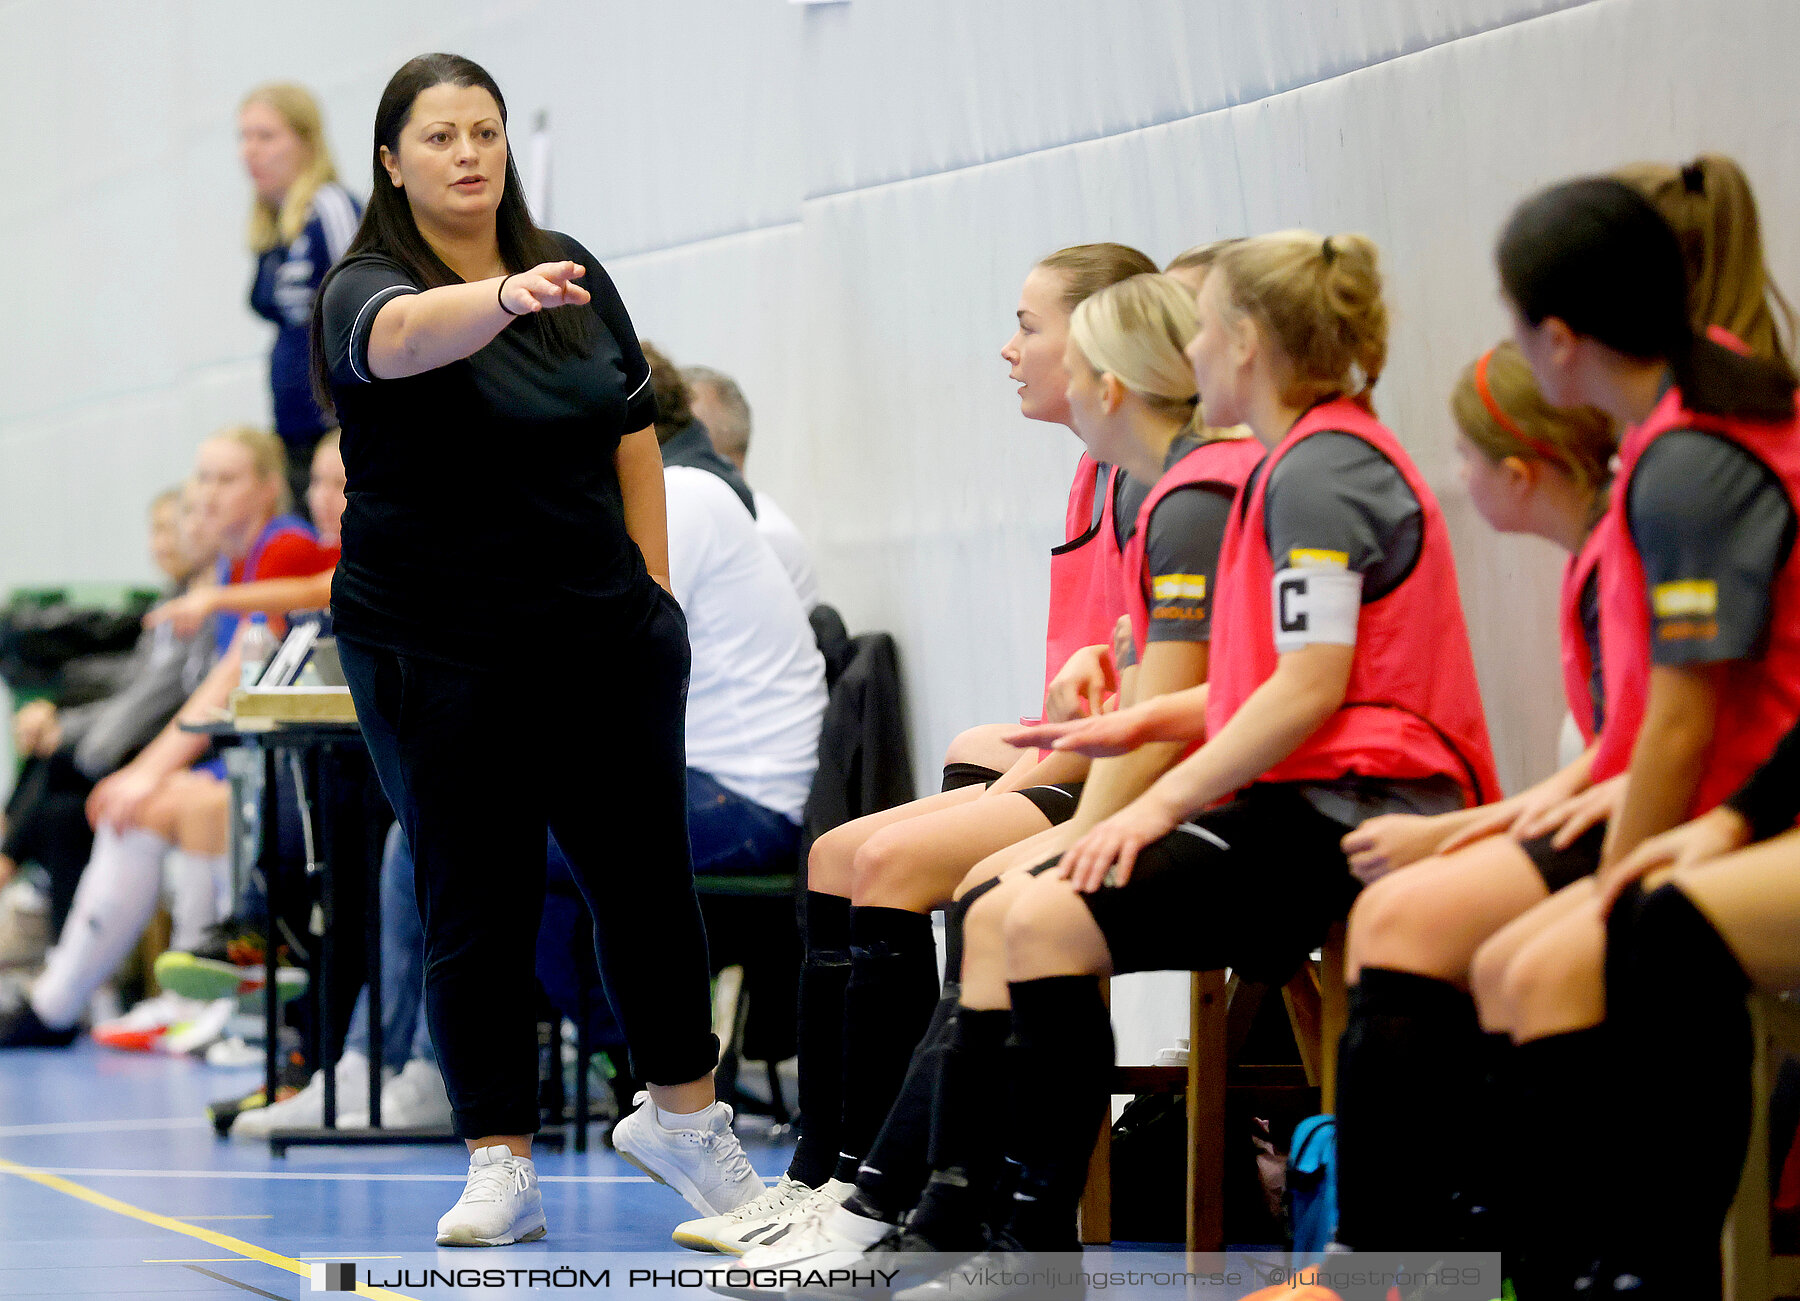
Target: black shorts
point(1253, 885)
point(1560, 867)
point(1057, 803)
point(958, 775)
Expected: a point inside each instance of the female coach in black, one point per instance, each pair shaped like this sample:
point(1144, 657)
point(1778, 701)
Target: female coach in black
point(529, 675)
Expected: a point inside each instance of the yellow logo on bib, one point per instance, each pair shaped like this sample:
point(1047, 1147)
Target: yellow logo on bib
point(1690, 598)
point(1179, 587)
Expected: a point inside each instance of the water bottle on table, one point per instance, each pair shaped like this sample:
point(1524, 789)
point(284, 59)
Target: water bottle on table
point(256, 649)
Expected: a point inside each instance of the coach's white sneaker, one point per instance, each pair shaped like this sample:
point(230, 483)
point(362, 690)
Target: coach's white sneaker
point(499, 1204)
point(827, 1230)
point(738, 1231)
point(704, 1164)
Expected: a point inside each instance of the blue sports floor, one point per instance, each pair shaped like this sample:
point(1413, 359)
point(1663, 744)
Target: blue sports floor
point(112, 1184)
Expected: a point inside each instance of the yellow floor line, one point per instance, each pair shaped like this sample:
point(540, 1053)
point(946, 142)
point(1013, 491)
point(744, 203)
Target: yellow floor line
point(223, 1241)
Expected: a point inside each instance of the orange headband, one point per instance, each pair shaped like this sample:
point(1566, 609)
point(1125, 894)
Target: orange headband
point(1544, 451)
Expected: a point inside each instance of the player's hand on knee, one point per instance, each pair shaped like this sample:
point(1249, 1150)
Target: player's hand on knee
point(1106, 855)
point(118, 799)
point(1392, 841)
point(1709, 836)
point(1542, 808)
point(37, 729)
point(1493, 821)
point(1578, 815)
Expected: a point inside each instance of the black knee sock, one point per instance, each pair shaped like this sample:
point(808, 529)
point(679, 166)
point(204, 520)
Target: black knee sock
point(1561, 1174)
point(893, 1173)
point(1491, 1149)
point(966, 1144)
point(956, 919)
point(1676, 999)
point(887, 1005)
point(958, 775)
point(890, 1178)
point(823, 978)
point(1062, 1061)
point(1410, 1074)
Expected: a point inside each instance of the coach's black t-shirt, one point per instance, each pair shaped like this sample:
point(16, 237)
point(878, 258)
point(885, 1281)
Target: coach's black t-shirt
point(484, 510)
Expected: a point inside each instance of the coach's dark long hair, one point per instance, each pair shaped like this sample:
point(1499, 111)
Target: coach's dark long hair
point(1597, 255)
point(388, 227)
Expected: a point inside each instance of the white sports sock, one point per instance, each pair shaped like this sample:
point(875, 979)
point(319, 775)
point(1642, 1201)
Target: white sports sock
point(683, 1119)
point(113, 903)
point(199, 894)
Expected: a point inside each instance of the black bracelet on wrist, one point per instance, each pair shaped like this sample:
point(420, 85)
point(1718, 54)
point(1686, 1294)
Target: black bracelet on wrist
point(499, 296)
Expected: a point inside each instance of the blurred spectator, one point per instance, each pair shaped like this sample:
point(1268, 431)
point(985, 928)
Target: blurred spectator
point(187, 613)
point(301, 221)
point(683, 439)
point(719, 404)
point(756, 694)
point(164, 799)
point(65, 751)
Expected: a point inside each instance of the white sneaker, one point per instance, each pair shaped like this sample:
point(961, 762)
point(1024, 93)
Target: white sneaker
point(705, 1165)
point(143, 1028)
point(196, 1033)
point(234, 1054)
point(828, 1230)
point(24, 925)
point(499, 1204)
point(413, 1099)
point(306, 1109)
point(735, 1232)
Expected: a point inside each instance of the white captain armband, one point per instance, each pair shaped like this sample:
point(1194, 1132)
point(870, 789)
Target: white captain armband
point(1316, 603)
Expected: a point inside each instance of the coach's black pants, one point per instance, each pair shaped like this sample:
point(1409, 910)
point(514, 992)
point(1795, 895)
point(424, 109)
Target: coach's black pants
point(478, 765)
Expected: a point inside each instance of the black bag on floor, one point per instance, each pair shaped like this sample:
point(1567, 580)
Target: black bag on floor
point(1149, 1174)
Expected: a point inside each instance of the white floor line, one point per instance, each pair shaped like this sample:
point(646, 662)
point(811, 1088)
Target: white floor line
point(193, 1219)
point(328, 1176)
point(103, 1126)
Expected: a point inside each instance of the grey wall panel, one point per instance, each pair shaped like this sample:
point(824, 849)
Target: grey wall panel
point(736, 304)
point(935, 85)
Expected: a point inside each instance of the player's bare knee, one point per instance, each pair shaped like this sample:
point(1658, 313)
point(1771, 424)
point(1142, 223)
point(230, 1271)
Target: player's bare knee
point(1487, 981)
point(830, 863)
point(1544, 980)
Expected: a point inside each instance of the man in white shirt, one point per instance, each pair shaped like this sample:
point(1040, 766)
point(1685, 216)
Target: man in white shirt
point(719, 404)
point(756, 692)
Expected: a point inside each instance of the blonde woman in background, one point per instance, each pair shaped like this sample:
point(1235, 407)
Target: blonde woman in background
point(301, 221)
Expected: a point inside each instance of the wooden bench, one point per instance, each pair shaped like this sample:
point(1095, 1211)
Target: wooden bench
point(1316, 1001)
point(1752, 1271)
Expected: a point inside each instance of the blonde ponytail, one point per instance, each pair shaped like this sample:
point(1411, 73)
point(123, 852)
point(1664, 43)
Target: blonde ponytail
point(1712, 210)
point(1319, 299)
